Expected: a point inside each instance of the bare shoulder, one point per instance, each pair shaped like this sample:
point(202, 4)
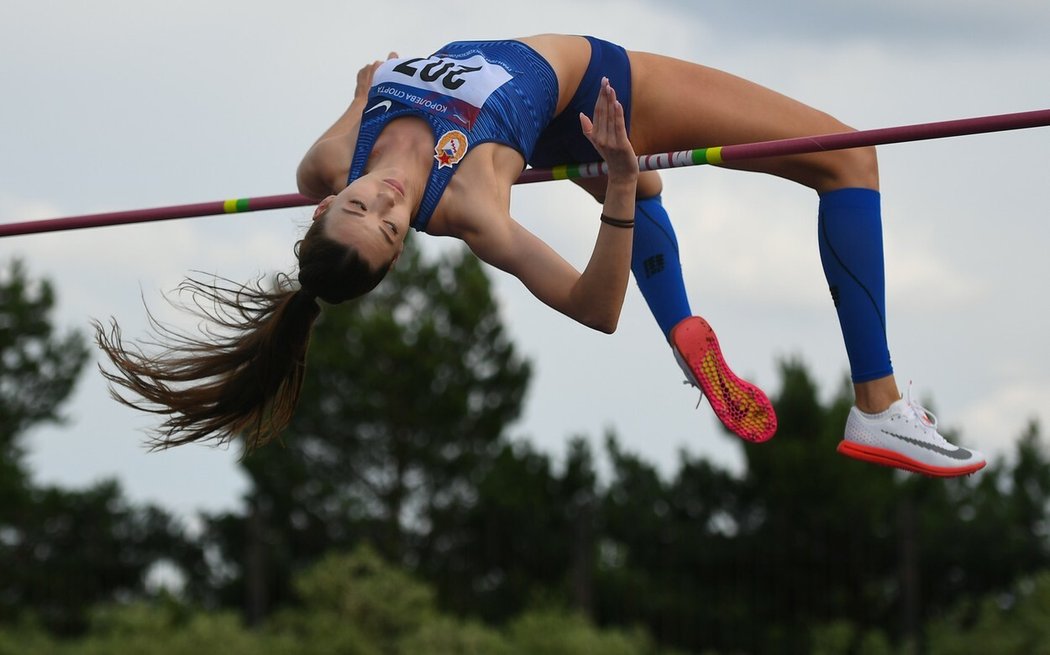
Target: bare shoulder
point(476, 201)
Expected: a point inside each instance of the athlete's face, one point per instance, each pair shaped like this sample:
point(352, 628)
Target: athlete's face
point(371, 214)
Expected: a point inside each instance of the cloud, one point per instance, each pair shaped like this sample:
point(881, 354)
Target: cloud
point(954, 22)
point(925, 278)
point(997, 419)
point(25, 209)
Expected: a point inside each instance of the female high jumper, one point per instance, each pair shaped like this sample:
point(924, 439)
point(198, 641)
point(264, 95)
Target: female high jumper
point(435, 143)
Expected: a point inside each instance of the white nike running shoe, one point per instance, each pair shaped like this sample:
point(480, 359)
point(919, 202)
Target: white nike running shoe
point(905, 436)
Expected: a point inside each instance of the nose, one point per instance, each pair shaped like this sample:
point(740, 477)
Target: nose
point(386, 197)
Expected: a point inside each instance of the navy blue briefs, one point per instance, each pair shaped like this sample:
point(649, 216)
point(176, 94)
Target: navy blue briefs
point(562, 141)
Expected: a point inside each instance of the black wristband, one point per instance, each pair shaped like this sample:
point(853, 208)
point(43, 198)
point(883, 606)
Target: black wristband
point(625, 223)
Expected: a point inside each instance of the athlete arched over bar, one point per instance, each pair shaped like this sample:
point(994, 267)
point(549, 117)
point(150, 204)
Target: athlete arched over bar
point(435, 143)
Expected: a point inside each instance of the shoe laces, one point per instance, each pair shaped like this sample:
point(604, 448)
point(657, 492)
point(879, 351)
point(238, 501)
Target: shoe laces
point(926, 419)
point(697, 387)
point(689, 378)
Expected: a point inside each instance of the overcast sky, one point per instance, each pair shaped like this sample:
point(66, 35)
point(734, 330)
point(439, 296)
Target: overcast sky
point(121, 104)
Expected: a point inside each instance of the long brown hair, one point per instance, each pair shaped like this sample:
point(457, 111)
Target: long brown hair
point(242, 375)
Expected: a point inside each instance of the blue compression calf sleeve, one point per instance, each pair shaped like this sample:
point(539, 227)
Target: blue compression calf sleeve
point(656, 266)
point(850, 237)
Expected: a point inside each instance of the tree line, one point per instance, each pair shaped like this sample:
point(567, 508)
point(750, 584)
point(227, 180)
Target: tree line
point(400, 462)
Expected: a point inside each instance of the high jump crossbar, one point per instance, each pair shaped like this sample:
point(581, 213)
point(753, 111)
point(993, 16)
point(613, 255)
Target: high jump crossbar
point(714, 155)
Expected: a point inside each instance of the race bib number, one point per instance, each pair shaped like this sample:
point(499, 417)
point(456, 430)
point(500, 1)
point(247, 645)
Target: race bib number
point(455, 89)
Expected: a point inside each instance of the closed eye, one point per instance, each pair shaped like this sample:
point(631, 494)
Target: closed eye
point(359, 204)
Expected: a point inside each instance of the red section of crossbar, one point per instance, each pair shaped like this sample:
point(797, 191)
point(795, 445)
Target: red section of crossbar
point(730, 153)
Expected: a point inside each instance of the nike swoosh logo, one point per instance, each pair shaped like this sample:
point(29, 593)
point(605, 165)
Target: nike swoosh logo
point(734, 406)
point(386, 105)
point(958, 453)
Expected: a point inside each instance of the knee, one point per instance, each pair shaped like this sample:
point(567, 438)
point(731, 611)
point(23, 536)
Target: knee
point(852, 168)
point(649, 185)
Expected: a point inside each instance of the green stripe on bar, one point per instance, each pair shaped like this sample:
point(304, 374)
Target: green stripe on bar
point(235, 205)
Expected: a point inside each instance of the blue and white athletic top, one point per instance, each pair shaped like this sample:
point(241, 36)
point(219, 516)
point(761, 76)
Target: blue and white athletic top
point(471, 92)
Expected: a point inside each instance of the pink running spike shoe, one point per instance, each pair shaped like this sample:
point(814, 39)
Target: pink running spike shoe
point(741, 406)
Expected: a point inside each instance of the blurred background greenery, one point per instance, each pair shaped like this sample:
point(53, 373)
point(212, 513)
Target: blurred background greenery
point(397, 515)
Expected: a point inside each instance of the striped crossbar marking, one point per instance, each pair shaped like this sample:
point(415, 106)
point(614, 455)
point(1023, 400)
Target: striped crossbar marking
point(234, 205)
point(714, 155)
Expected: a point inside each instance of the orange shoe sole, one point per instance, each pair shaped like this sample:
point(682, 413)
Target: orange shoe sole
point(741, 406)
point(884, 457)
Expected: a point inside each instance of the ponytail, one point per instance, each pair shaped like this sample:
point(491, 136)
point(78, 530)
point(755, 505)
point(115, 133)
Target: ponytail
point(242, 375)
point(242, 379)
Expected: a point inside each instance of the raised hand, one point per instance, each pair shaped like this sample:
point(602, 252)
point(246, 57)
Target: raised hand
point(607, 132)
point(365, 76)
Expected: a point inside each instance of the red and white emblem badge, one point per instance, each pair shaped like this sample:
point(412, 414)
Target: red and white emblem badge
point(450, 148)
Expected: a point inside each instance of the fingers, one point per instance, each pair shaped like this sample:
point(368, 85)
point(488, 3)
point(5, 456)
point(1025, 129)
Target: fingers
point(607, 132)
point(586, 124)
point(610, 112)
point(608, 128)
point(379, 62)
point(364, 76)
point(367, 74)
point(369, 70)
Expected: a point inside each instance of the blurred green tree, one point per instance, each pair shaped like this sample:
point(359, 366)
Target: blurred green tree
point(1013, 621)
point(352, 603)
point(807, 539)
point(409, 393)
point(60, 550)
point(528, 539)
point(38, 369)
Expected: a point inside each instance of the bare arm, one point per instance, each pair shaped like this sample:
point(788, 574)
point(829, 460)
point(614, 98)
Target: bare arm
point(594, 297)
point(322, 170)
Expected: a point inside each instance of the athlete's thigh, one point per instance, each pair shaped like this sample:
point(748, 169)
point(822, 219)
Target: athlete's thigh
point(678, 105)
